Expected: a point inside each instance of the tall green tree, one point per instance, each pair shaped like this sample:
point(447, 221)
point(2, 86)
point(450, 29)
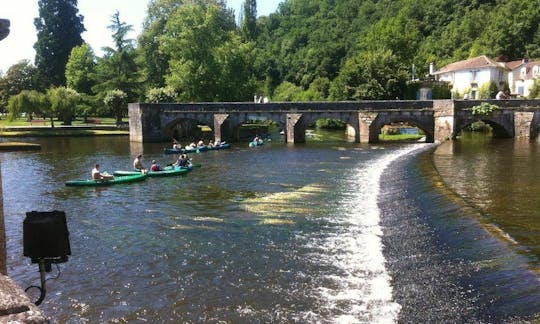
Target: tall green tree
point(208, 61)
point(59, 28)
point(153, 62)
point(81, 69)
point(117, 68)
point(249, 20)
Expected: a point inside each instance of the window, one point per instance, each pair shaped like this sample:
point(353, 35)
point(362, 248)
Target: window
point(523, 72)
point(473, 75)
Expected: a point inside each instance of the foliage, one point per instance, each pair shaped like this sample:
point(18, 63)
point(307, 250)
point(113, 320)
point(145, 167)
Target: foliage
point(440, 91)
point(249, 21)
point(330, 123)
point(81, 68)
point(488, 90)
point(287, 92)
point(534, 91)
point(19, 77)
point(208, 61)
point(165, 94)
point(370, 76)
point(308, 50)
point(59, 29)
point(27, 101)
point(117, 68)
point(484, 108)
point(116, 101)
point(63, 103)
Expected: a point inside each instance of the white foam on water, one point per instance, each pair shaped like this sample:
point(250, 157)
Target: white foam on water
point(358, 289)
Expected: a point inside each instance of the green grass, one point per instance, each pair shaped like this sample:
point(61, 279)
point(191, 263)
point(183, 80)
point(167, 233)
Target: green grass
point(23, 122)
point(47, 132)
point(400, 137)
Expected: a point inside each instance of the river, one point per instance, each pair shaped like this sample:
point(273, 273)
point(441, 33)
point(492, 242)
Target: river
point(328, 231)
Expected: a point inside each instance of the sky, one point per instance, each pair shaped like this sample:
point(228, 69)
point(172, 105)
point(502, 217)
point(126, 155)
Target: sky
point(97, 16)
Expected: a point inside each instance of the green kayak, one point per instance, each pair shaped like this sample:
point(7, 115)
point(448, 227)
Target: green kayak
point(167, 172)
point(116, 180)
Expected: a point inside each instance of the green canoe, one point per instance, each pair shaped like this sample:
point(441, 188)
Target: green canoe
point(167, 172)
point(116, 180)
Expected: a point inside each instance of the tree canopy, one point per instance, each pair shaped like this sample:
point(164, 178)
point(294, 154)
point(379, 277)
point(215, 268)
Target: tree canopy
point(306, 50)
point(59, 29)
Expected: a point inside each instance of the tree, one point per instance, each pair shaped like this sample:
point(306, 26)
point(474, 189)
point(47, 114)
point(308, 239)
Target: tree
point(370, 76)
point(116, 101)
point(19, 77)
point(117, 68)
point(64, 102)
point(80, 69)
point(488, 90)
point(153, 62)
point(208, 60)
point(249, 21)
point(27, 101)
point(59, 29)
point(534, 91)
point(287, 91)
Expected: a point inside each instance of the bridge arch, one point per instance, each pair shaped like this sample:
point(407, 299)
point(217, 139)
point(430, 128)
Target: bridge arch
point(425, 122)
point(185, 128)
point(501, 122)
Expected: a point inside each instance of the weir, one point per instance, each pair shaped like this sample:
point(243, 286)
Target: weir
point(438, 119)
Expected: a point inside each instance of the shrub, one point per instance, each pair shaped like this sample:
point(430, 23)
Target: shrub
point(484, 108)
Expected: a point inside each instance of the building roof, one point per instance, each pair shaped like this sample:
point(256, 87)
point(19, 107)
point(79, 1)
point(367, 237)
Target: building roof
point(472, 63)
point(529, 74)
point(514, 64)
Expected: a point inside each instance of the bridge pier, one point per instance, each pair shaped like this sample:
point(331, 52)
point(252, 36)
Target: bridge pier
point(368, 134)
point(296, 129)
point(523, 120)
point(444, 119)
point(222, 128)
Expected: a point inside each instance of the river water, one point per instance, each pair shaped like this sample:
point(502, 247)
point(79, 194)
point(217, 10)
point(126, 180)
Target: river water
point(323, 232)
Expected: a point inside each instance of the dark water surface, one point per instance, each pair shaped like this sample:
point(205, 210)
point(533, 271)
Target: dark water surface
point(321, 232)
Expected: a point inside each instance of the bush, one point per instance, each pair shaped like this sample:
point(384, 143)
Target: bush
point(484, 108)
point(330, 123)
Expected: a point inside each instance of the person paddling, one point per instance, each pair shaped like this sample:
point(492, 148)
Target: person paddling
point(155, 166)
point(97, 175)
point(137, 164)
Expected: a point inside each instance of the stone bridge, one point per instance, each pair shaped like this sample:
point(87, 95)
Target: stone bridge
point(438, 119)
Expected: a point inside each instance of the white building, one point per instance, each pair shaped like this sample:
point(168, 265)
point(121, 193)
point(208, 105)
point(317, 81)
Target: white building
point(522, 75)
point(467, 77)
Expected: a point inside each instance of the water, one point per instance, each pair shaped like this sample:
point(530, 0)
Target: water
point(321, 232)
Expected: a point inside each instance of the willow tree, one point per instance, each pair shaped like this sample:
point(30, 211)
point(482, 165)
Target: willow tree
point(59, 28)
point(64, 102)
point(27, 101)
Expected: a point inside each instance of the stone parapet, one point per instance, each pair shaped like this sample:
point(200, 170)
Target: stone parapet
point(16, 306)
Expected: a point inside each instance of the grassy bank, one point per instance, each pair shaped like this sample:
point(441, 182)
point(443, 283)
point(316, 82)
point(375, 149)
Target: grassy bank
point(50, 132)
point(42, 128)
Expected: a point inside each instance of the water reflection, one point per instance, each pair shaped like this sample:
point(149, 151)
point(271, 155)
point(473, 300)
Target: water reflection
point(498, 176)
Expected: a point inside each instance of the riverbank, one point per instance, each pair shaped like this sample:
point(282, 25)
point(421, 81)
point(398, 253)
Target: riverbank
point(47, 131)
